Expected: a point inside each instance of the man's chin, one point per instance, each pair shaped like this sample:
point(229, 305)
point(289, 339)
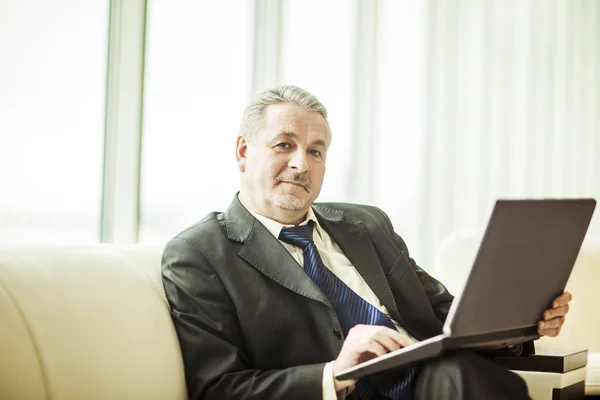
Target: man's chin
point(291, 202)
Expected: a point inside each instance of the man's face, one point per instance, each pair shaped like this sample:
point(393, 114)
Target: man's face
point(283, 164)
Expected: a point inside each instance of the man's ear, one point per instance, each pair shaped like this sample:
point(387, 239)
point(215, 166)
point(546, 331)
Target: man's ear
point(241, 147)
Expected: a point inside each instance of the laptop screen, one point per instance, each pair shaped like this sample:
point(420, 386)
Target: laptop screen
point(523, 263)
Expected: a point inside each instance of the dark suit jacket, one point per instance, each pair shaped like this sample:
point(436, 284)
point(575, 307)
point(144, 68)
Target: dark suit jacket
point(250, 321)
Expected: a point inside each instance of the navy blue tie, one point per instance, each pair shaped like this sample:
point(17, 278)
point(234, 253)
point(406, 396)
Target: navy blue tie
point(351, 310)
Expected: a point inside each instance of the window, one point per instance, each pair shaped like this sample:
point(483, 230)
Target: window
point(317, 56)
point(53, 77)
point(198, 79)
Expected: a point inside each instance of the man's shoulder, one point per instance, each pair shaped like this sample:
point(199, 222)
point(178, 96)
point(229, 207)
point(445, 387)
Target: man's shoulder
point(359, 211)
point(212, 224)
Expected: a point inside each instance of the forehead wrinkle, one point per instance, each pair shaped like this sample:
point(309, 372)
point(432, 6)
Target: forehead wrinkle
point(288, 134)
point(284, 133)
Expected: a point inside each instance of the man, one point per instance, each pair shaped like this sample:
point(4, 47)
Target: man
point(265, 311)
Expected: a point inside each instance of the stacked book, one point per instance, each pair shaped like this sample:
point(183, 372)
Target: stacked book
point(547, 360)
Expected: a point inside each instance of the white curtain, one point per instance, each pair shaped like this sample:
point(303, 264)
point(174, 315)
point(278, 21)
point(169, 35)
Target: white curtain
point(438, 108)
point(512, 109)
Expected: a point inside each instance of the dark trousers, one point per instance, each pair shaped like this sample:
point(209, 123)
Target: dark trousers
point(467, 376)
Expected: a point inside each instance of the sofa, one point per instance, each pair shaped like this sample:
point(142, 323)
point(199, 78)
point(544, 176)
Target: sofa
point(92, 322)
point(454, 258)
point(86, 322)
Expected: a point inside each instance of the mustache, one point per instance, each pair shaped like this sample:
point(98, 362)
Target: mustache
point(300, 179)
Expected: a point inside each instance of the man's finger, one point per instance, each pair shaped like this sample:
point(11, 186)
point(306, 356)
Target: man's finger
point(552, 324)
point(562, 300)
point(373, 346)
point(399, 338)
point(549, 332)
point(556, 312)
point(387, 342)
point(379, 331)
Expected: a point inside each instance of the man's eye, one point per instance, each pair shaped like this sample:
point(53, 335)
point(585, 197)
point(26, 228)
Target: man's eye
point(283, 145)
point(315, 153)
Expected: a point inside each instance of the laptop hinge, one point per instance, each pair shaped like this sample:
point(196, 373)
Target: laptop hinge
point(495, 339)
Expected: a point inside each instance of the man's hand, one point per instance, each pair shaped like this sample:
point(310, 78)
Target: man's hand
point(365, 342)
point(554, 318)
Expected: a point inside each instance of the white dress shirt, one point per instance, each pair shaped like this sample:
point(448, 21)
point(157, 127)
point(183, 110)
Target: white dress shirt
point(336, 261)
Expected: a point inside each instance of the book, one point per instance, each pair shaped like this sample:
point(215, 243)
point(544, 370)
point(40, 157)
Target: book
point(547, 360)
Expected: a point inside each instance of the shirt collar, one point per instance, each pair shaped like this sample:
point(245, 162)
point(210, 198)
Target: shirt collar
point(275, 227)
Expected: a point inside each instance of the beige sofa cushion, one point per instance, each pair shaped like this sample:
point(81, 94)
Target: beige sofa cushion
point(86, 322)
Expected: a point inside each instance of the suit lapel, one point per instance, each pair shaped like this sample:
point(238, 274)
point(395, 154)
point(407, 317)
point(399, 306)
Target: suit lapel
point(355, 242)
point(265, 253)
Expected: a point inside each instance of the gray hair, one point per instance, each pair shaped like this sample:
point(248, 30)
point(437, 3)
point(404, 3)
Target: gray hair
point(253, 118)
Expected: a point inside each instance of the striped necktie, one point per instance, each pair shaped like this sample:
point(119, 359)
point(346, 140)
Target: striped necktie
point(351, 310)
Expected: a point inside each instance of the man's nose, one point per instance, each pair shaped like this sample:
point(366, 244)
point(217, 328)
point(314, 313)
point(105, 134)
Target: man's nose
point(299, 161)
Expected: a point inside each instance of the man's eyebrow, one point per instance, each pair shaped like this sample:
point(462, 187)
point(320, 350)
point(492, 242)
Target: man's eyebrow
point(293, 135)
point(320, 142)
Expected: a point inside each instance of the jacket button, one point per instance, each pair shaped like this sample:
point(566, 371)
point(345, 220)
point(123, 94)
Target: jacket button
point(337, 334)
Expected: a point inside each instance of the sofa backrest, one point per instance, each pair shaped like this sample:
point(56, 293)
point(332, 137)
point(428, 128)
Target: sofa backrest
point(454, 259)
point(86, 322)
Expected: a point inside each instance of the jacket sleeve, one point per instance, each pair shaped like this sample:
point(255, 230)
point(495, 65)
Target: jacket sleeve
point(216, 364)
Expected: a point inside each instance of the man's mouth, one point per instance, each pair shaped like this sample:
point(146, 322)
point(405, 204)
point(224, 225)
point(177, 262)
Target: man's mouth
point(295, 184)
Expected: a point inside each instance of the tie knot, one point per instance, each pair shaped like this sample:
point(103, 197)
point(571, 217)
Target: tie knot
point(300, 236)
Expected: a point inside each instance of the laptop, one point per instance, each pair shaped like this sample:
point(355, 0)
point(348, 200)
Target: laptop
point(523, 263)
